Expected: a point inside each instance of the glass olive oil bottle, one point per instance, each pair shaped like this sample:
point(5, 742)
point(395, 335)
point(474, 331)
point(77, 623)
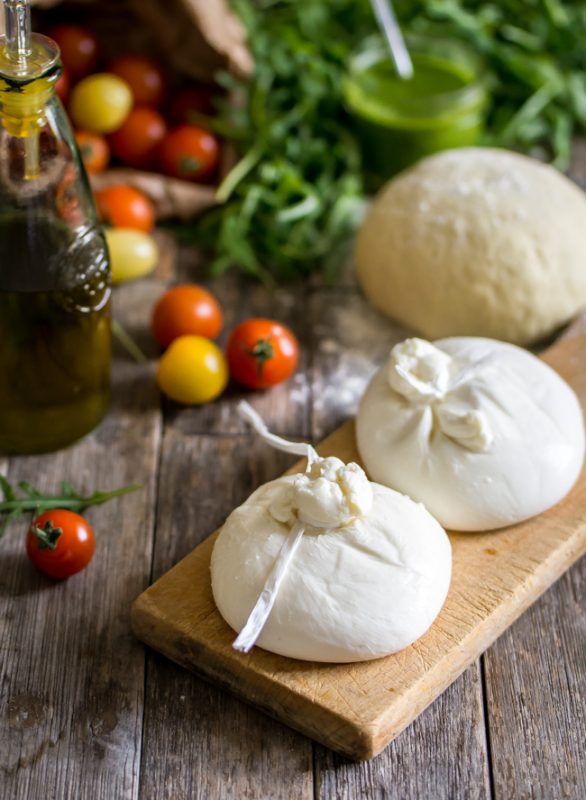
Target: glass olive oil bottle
point(55, 339)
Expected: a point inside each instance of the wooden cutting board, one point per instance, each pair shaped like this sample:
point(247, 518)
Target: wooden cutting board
point(358, 709)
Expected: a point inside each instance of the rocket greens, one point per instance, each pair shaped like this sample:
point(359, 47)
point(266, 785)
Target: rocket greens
point(292, 202)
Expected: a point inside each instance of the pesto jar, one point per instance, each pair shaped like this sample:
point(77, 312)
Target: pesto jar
point(400, 121)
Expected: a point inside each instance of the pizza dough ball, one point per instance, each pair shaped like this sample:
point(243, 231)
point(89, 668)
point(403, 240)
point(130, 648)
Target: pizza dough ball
point(354, 592)
point(481, 432)
point(479, 242)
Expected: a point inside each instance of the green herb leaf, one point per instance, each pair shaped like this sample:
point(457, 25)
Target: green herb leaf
point(33, 500)
point(295, 197)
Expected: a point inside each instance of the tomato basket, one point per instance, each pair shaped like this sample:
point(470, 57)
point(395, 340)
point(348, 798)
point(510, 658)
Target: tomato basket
point(192, 39)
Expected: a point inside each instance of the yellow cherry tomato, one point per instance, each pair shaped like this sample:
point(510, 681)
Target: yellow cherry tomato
point(132, 253)
point(192, 371)
point(100, 103)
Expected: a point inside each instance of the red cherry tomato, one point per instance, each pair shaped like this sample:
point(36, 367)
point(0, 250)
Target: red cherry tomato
point(262, 353)
point(60, 543)
point(62, 85)
point(138, 140)
point(191, 99)
point(189, 153)
point(143, 75)
point(79, 49)
point(94, 151)
point(125, 207)
point(186, 310)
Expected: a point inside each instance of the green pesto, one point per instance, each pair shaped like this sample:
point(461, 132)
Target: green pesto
point(400, 121)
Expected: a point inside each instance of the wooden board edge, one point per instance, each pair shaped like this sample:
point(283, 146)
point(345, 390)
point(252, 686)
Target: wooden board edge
point(446, 671)
point(291, 709)
point(372, 736)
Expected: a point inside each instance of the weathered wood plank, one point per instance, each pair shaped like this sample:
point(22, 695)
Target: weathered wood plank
point(71, 674)
point(442, 755)
point(349, 341)
point(536, 693)
point(200, 742)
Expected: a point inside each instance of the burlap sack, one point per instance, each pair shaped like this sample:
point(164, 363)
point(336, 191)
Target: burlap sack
point(194, 38)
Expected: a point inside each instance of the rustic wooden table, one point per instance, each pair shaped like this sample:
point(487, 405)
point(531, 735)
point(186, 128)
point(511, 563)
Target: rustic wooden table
point(87, 712)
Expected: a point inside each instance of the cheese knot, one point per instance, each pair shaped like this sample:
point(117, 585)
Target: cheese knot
point(331, 494)
point(425, 375)
point(419, 371)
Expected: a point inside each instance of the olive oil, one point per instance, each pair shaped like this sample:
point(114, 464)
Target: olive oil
point(55, 335)
point(54, 271)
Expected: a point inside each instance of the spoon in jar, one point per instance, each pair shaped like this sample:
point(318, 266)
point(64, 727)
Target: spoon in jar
point(387, 22)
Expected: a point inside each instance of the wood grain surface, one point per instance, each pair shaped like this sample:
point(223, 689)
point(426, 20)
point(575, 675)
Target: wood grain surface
point(87, 712)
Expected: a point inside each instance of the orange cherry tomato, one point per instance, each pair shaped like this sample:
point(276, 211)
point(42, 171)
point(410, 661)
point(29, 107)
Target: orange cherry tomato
point(186, 310)
point(60, 543)
point(62, 85)
point(262, 353)
point(94, 151)
point(143, 75)
point(79, 49)
point(125, 207)
point(189, 153)
point(191, 99)
point(137, 142)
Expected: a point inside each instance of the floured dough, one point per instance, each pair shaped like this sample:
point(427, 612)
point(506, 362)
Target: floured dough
point(476, 242)
point(358, 591)
point(483, 433)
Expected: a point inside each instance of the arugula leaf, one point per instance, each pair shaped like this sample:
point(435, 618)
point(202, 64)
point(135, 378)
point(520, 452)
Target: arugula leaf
point(294, 199)
point(33, 500)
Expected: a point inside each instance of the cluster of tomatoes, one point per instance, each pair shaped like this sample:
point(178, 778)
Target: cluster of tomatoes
point(126, 113)
point(123, 111)
point(193, 370)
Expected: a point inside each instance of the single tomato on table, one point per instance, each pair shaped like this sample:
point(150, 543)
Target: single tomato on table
point(94, 151)
point(189, 153)
point(183, 310)
point(137, 141)
point(79, 49)
point(125, 207)
point(100, 103)
point(144, 76)
point(133, 254)
point(60, 543)
point(262, 353)
point(192, 371)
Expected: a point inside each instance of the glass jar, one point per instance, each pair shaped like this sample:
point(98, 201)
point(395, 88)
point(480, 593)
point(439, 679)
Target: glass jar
point(400, 121)
point(55, 333)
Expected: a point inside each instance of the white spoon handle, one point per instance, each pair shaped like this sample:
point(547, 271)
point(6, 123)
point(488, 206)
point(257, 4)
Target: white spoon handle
point(385, 15)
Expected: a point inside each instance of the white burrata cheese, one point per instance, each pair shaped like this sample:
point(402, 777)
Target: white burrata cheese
point(482, 432)
point(361, 589)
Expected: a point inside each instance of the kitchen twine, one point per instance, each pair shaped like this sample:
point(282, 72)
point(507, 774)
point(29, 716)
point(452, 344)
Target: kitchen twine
point(262, 608)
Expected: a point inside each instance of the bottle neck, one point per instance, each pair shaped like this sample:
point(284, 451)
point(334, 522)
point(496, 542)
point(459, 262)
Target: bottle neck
point(22, 105)
point(27, 83)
